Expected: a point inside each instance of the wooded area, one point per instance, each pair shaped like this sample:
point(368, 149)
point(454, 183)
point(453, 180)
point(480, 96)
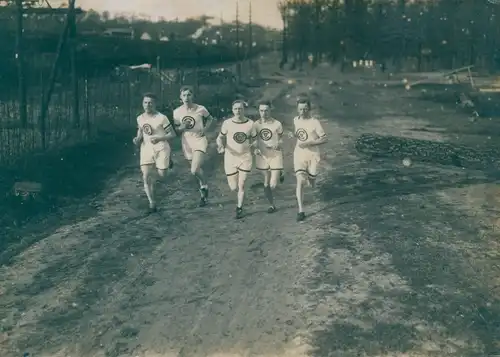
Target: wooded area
point(437, 34)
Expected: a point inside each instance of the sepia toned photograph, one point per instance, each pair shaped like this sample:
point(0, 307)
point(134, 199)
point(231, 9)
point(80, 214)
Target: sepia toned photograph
point(245, 178)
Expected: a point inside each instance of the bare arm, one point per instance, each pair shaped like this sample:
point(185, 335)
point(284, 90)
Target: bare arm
point(253, 138)
point(318, 141)
point(220, 140)
point(177, 122)
point(169, 133)
point(322, 138)
point(139, 136)
point(280, 136)
point(208, 122)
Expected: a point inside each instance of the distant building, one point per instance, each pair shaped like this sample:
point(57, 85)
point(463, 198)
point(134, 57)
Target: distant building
point(164, 38)
point(146, 37)
point(119, 32)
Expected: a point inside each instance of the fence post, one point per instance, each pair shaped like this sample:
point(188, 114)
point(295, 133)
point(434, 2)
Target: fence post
point(86, 103)
point(74, 74)
point(160, 76)
point(129, 99)
point(197, 69)
point(52, 80)
point(23, 111)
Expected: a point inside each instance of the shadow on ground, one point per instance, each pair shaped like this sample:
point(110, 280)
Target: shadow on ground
point(438, 300)
point(95, 278)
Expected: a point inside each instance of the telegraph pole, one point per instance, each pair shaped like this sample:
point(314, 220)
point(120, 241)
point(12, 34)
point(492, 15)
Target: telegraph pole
point(250, 34)
point(21, 76)
point(238, 55)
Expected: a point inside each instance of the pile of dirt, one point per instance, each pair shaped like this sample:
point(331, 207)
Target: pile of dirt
point(429, 151)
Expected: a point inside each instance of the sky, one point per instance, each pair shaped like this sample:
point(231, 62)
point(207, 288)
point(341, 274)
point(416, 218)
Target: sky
point(264, 12)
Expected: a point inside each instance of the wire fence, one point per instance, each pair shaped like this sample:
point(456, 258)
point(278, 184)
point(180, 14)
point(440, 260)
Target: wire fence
point(106, 101)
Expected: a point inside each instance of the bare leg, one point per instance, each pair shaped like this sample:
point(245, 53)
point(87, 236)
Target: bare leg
point(148, 179)
point(242, 177)
point(197, 172)
point(299, 192)
point(267, 189)
point(273, 182)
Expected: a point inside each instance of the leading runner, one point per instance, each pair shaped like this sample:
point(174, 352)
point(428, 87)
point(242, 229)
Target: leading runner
point(153, 132)
point(306, 156)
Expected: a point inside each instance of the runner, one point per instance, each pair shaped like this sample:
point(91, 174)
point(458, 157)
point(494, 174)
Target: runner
point(306, 156)
point(193, 120)
point(154, 131)
point(236, 140)
point(270, 161)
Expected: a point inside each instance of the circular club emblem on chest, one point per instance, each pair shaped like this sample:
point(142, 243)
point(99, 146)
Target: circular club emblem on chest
point(266, 134)
point(240, 137)
point(188, 122)
point(147, 129)
point(301, 134)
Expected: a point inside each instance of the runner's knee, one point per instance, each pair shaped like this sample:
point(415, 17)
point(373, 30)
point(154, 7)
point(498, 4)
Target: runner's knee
point(162, 173)
point(233, 184)
point(146, 174)
point(301, 178)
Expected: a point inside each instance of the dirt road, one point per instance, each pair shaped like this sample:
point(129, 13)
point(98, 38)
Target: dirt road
point(392, 261)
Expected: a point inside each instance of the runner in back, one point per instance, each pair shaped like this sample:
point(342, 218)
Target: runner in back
point(192, 120)
point(269, 158)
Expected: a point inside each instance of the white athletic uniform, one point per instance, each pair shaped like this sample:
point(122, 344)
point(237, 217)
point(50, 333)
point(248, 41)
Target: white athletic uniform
point(268, 133)
point(306, 160)
point(159, 153)
point(193, 138)
point(238, 154)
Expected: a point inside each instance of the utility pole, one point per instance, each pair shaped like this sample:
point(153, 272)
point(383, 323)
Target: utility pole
point(21, 77)
point(238, 55)
point(250, 34)
point(72, 42)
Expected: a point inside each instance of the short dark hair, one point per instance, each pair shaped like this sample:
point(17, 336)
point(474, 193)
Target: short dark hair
point(265, 102)
point(149, 95)
point(303, 100)
point(187, 88)
point(239, 101)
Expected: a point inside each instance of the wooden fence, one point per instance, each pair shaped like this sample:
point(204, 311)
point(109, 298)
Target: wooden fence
point(106, 102)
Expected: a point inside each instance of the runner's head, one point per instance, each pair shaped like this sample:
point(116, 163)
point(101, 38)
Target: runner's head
point(303, 107)
point(239, 108)
point(265, 109)
point(149, 102)
point(187, 95)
